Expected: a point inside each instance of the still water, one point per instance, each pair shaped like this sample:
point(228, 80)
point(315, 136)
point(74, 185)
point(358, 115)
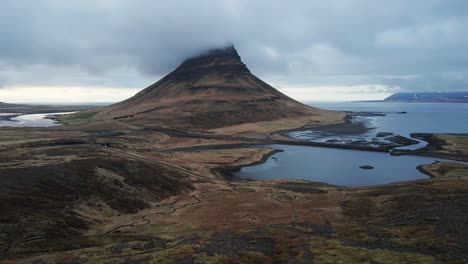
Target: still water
point(336, 166)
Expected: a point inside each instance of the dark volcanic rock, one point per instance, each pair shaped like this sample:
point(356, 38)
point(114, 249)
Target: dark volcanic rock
point(403, 141)
point(384, 134)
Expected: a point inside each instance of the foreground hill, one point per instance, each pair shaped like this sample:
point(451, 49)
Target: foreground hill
point(140, 201)
point(212, 90)
point(447, 97)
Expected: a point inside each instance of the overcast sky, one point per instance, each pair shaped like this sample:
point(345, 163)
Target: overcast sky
point(106, 50)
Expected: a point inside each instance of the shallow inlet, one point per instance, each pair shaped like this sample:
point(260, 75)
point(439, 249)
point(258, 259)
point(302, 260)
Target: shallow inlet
point(419, 118)
point(336, 166)
point(31, 120)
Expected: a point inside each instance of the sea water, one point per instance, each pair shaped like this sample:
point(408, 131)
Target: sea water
point(342, 167)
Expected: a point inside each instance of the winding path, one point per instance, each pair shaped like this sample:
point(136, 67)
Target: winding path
point(145, 221)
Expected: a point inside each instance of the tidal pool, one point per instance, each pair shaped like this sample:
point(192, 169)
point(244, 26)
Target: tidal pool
point(336, 166)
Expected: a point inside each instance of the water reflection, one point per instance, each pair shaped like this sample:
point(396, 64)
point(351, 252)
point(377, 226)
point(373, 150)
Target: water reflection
point(337, 166)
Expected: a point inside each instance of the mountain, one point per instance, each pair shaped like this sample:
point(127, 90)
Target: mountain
point(442, 97)
point(6, 105)
point(211, 90)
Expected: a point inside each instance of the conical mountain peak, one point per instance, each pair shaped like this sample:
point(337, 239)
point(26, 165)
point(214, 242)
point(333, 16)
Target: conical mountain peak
point(225, 58)
point(213, 89)
point(227, 53)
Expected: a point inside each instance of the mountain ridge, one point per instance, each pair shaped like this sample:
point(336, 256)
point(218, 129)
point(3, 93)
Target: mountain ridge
point(449, 97)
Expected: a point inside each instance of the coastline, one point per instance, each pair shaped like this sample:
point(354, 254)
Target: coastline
point(226, 172)
point(349, 128)
point(8, 113)
point(428, 137)
point(435, 147)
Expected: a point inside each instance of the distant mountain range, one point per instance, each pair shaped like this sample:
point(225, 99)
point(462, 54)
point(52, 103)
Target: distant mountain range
point(5, 105)
point(36, 109)
point(441, 97)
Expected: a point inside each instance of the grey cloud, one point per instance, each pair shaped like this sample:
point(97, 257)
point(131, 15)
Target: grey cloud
point(441, 82)
point(308, 42)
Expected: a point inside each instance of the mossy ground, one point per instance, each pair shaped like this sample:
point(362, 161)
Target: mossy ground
point(135, 203)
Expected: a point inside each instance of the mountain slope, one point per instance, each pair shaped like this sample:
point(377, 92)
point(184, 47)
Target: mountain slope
point(212, 90)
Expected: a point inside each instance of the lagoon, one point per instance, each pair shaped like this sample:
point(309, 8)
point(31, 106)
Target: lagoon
point(342, 167)
point(336, 166)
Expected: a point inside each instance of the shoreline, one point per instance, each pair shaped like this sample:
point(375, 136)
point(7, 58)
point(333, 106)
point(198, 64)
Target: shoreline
point(291, 142)
point(46, 116)
point(421, 169)
point(341, 128)
point(10, 113)
point(226, 172)
point(349, 128)
point(433, 148)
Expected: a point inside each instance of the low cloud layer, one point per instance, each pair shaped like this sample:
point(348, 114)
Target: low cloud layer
point(401, 45)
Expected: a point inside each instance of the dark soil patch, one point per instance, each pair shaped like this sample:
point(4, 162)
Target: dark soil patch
point(229, 244)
